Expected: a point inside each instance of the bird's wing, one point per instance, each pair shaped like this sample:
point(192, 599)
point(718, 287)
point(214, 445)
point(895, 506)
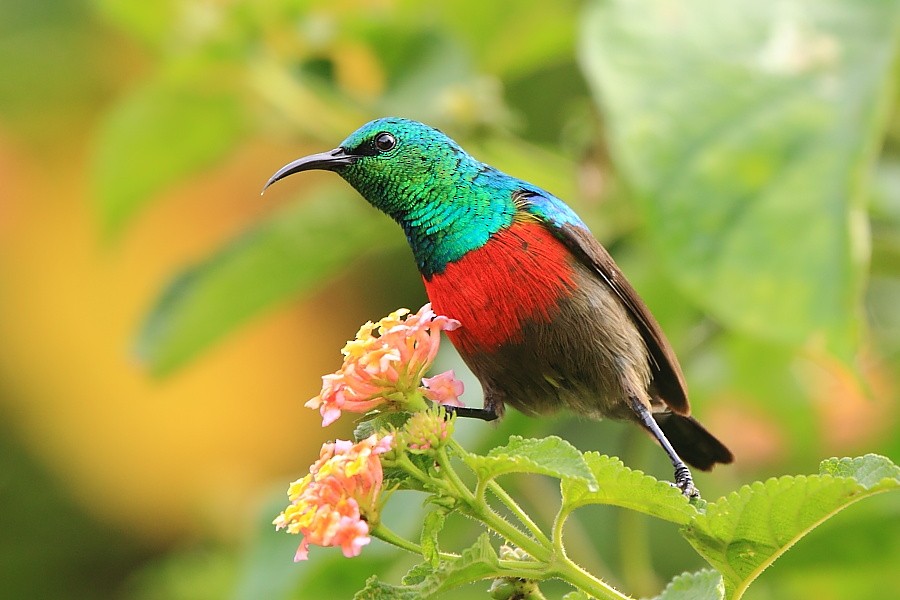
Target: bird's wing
point(565, 224)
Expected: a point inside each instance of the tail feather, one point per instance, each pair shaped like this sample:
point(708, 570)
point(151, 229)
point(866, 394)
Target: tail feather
point(693, 443)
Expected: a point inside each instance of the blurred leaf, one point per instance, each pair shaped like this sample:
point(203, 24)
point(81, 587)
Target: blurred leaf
point(150, 21)
point(162, 132)
point(544, 168)
point(55, 63)
point(185, 574)
point(702, 585)
point(49, 543)
point(621, 486)
point(438, 84)
point(286, 255)
point(500, 49)
point(268, 571)
point(744, 532)
point(550, 456)
point(745, 129)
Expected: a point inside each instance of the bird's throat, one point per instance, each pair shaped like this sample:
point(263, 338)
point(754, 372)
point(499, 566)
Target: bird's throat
point(518, 276)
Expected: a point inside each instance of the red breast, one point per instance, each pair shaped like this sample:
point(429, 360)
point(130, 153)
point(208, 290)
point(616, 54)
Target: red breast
point(520, 275)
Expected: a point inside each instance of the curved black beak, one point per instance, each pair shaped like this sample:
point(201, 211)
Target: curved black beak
point(327, 161)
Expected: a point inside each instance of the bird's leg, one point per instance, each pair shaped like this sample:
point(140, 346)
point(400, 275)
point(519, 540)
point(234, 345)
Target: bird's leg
point(485, 414)
point(683, 479)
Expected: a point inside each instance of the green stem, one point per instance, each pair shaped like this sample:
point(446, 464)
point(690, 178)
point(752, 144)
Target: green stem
point(506, 499)
point(517, 510)
point(478, 508)
point(385, 534)
point(558, 524)
point(550, 557)
point(522, 568)
point(575, 575)
point(463, 492)
point(410, 467)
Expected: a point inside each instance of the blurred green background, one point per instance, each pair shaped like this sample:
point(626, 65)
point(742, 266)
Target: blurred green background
point(162, 325)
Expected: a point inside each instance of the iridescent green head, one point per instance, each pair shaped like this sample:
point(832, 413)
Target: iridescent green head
point(425, 182)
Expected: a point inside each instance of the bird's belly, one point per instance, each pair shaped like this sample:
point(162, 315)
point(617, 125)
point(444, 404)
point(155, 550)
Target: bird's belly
point(539, 329)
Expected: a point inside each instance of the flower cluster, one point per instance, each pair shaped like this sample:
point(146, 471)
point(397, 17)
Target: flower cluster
point(337, 503)
point(333, 504)
point(427, 431)
point(385, 365)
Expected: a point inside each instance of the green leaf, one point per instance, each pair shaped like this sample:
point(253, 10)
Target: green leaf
point(551, 456)
point(620, 486)
point(378, 590)
point(746, 130)
point(417, 574)
point(744, 532)
point(477, 562)
point(870, 470)
point(434, 523)
point(162, 132)
point(702, 585)
point(284, 256)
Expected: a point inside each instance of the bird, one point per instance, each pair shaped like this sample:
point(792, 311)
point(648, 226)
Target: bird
point(548, 320)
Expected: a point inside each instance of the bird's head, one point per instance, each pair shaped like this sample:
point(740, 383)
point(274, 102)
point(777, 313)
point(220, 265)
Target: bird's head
point(446, 201)
point(398, 165)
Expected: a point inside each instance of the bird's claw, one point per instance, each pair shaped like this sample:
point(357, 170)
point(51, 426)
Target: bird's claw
point(468, 412)
point(685, 483)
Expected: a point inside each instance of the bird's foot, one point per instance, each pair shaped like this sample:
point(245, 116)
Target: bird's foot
point(685, 483)
point(472, 413)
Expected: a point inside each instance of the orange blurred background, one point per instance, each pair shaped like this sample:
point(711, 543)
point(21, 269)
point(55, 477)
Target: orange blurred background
point(153, 456)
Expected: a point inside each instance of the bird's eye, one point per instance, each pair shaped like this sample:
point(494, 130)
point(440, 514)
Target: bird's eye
point(385, 141)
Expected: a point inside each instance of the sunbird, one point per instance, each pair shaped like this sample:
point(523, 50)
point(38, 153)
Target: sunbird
point(548, 320)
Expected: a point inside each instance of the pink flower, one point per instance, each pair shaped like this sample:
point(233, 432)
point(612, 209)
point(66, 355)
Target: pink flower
point(444, 388)
point(383, 364)
point(331, 506)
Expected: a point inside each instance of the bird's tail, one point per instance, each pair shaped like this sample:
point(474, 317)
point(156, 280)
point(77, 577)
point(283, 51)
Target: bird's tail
point(693, 443)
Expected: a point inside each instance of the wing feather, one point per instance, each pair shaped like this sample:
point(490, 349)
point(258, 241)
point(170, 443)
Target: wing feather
point(668, 379)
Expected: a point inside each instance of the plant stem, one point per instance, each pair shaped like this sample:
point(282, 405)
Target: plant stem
point(550, 557)
point(385, 534)
point(507, 500)
point(514, 507)
point(477, 507)
point(463, 491)
point(574, 574)
point(597, 588)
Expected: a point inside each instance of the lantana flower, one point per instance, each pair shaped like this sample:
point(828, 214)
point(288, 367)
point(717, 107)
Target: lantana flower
point(444, 388)
point(426, 431)
point(334, 503)
point(385, 364)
